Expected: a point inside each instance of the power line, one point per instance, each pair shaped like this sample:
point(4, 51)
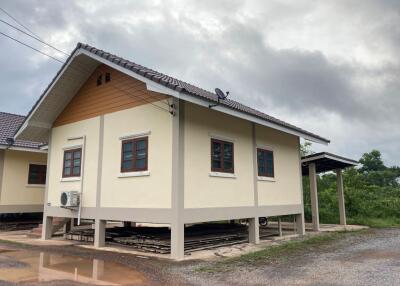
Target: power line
point(28, 46)
point(18, 22)
point(60, 61)
point(36, 38)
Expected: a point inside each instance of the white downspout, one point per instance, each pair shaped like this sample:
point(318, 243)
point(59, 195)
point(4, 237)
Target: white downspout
point(82, 174)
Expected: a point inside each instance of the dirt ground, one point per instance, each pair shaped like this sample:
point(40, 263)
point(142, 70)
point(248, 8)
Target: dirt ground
point(368, 258)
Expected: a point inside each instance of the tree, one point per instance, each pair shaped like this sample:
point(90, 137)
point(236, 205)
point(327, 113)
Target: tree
point(372, 161)
point(305, 149)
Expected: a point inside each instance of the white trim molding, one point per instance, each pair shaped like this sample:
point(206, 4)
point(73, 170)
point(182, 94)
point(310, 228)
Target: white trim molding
point(221, 137)
point(265, 147)
point(36, 186)
point(71, 179)
point(72, 147)
point(222, 175)
point(266, 179)
point(134, 174)
point(135, 135)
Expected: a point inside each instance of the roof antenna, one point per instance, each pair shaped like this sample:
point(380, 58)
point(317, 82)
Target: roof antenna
point(220, 95)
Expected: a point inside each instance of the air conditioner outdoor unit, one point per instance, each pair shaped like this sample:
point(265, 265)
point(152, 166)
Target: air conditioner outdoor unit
point(70, 199)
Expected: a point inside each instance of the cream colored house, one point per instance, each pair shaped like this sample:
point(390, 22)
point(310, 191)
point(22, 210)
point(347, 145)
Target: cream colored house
point(141, 146)
point(22, 170)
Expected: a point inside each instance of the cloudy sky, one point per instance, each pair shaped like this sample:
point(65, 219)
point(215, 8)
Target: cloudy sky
point(331, 67)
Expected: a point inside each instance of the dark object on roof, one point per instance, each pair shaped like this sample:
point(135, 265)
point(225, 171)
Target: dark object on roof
point(325, 162)
point(9, 124)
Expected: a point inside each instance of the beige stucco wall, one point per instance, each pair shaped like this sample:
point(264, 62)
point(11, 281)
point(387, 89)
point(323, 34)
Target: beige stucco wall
point(286, 188)
point(59, 142)
point(15, 189)
point(201, 189)
point(150, 191)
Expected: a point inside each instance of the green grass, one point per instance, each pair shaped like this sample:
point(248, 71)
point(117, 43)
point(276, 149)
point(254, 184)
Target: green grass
point(5, 241)
point(279, 252)
point(376, 222)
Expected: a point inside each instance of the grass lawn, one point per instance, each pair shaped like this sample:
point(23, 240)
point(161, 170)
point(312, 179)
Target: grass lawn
point(376, 222)
point(277, 252)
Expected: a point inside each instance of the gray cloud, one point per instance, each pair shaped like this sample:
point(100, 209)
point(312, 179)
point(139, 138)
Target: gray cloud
point(330, 67)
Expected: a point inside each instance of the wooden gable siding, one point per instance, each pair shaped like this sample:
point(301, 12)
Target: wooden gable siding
point(122, 92)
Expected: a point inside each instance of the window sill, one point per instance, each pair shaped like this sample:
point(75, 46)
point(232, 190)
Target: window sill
point(35, 186)
point(72, 179)
point(134, 174)
point(268, 179)
point(222, 175)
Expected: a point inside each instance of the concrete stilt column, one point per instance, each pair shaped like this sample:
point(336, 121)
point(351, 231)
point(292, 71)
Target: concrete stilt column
point(300, 225)
point(67, 226)
point(98, 269)
point(47, 227)
point(177, 241)
point(314, 196)
point(254, 230)
point(339, 186)
point(44, 259)
point(99, 233)
point(279, 226)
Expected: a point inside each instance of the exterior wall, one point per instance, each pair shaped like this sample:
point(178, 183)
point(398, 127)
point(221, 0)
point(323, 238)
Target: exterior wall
point(14, 190)
point(59, 143)
point(286, 188)
point(201, 189)
point(152, 190)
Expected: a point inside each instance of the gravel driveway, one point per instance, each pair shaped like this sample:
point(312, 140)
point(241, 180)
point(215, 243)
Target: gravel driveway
point(370, 258)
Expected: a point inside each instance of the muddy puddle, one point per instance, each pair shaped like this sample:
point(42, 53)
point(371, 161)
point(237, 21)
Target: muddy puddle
point(39, 267)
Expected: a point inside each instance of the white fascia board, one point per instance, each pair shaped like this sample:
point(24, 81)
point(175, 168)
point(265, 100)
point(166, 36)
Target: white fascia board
point(27, 121)
point(156, 87)
point(3, 147)
point(329, 157)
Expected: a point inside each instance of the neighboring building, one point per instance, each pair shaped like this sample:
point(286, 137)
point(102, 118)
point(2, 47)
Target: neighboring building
point(22, 169)
point(141, 146)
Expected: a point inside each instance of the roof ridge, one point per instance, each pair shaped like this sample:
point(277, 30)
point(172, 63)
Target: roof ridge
point(14, 114)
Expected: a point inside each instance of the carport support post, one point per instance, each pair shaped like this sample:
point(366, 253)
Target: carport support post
point(99, 233)
point(47, 227)
point(254, 231)
point(314, 196)
point(339, 186)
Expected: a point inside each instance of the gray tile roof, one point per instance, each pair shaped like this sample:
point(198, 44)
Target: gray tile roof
point(179, 86)
point(192, 90)
point(9, 124)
